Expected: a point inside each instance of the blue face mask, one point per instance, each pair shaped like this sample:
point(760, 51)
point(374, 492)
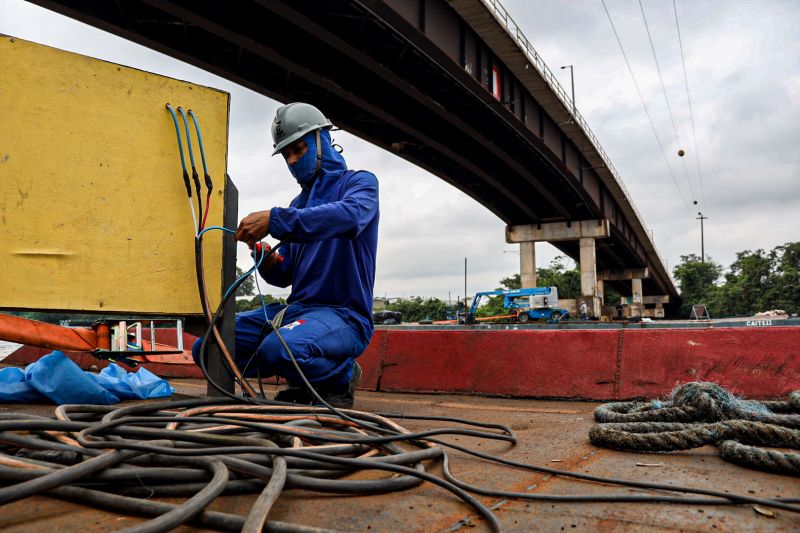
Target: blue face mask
point(305, 168)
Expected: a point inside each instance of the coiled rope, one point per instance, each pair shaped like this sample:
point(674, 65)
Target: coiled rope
point(702, 413)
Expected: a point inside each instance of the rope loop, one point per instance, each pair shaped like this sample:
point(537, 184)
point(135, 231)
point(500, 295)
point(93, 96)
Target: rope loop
point(703, 413)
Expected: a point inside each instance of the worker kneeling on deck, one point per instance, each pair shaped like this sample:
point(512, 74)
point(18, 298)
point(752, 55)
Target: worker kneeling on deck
point(332, 232)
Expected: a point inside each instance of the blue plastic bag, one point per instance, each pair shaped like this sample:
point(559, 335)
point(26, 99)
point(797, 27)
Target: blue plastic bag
point(58, 378)
point(140, 385)
point(14, 388)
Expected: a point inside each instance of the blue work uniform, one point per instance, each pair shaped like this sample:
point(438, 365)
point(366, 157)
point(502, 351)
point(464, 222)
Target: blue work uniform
point(329, 260)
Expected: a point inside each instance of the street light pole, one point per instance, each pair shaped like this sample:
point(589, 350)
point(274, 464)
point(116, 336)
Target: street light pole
point(572, 83)
point(701, 218)
point(465, 286)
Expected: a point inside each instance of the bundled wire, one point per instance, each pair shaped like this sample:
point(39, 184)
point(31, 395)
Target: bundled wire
point(120, 458)
point(185, 174)
point(205, 448)
point(200, 230)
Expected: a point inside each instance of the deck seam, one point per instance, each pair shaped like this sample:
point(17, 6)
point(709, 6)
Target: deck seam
point(470, 519)
point(618, 364)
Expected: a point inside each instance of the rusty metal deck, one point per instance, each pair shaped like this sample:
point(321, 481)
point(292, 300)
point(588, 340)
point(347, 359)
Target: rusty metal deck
point(550, 433)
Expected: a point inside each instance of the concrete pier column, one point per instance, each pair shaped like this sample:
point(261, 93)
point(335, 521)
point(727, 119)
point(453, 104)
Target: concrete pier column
point(584, 231)
point(588, 268)
point(527, 264)
point(637, 303)
point(635, 275)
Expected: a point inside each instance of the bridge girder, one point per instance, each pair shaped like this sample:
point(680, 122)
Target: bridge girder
point(378, 76)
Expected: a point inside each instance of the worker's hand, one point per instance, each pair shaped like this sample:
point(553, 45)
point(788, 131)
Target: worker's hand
point(253, 228)
point(262, 247)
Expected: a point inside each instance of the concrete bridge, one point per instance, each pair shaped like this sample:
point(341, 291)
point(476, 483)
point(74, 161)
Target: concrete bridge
point(452, 86)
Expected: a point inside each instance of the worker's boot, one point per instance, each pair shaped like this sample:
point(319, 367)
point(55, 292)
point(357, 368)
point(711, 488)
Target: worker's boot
point(335, 396)
point(293, 394)
point(343, 399)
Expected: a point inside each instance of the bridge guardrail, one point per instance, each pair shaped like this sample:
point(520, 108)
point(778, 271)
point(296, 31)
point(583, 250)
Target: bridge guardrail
point(502, 16)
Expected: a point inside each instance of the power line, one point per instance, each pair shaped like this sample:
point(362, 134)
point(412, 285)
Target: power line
point(666, 98)
point(689, 99)
point(644, 105)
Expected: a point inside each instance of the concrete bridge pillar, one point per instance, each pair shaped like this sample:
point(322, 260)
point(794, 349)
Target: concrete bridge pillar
point(584, 231)
point(527, 264)
point(588, 266)
point(635, 275)
point(637, 305)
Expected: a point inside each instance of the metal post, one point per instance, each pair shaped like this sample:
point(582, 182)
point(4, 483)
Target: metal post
point(465, 285)
point(701, 218)
point(572, 83)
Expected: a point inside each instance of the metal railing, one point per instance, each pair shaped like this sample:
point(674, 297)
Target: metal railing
point(510, 26)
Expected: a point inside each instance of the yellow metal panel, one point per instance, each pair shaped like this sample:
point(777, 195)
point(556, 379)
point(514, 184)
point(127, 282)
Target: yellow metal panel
point(93, 210)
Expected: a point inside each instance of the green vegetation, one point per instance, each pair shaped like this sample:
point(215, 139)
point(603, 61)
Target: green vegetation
point(248, 304)
point(416, 309)
point(755, 281)
point(248, 289)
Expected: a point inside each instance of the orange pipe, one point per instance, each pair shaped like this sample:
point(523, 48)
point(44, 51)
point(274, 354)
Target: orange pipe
point(44, 335)
point(103, 331)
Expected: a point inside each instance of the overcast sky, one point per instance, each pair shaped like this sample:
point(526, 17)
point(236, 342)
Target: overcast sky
point(743, 64)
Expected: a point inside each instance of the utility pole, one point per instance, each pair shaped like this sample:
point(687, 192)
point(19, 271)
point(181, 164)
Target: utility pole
point(701, 218)
point(465, 284)
point(572, 83)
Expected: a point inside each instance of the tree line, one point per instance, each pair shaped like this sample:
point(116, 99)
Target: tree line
point(756, 281)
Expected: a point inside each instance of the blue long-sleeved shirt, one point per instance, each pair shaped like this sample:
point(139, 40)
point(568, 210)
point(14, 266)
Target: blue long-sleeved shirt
point(332, 229)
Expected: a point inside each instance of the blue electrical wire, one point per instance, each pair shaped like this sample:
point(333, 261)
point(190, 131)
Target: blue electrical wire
point(202, 151)
point(245, 275)
point(258, 289)
point(195, 176)
point(216, 227)
point(249, 272)
point(188, 136)
point(183, 166)
point(180, 144)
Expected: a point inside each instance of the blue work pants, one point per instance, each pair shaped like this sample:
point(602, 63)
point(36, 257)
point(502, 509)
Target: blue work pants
point(324, 344)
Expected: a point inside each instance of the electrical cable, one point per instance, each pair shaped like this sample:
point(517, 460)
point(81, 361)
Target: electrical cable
point(206, 175)
point(230, 365)
point(666, 98)
point(227, 358)
point(689, 100)
point(193, 434)
point(208, 208)
point(183, 166)
point(195, 176)
point(644, 105)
